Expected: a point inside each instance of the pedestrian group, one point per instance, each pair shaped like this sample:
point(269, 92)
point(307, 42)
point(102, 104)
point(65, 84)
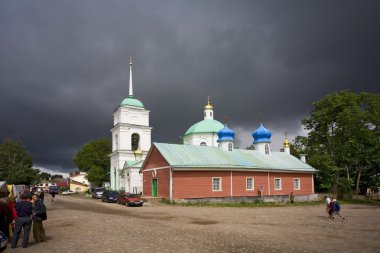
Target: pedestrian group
point(30, 210)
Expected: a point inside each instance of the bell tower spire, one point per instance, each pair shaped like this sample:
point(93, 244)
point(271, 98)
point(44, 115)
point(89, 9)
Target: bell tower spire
point(130, 77)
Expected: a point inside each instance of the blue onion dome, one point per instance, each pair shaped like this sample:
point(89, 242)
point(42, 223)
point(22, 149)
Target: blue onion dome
point(226, 134)
point(261, 134)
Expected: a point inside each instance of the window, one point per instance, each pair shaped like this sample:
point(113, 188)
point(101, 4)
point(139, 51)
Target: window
point(250, 183)
point(116, 142)
point(216, 184)
point(135, 141)
point(296, 184)
point(277, 184)
point(203, 143)
point(229, 146)
point(205, 114)
point(210, 114)
point(267, 149)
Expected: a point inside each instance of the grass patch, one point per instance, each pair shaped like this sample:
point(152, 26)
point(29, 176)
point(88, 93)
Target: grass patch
point(257, 204)
point(271, 204)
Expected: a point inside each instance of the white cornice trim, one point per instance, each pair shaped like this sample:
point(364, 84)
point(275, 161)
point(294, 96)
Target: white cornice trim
point(119, 125)
point(157, 168)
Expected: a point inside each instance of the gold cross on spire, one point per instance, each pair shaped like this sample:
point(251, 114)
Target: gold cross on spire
point(286, 142)
point(209, 105)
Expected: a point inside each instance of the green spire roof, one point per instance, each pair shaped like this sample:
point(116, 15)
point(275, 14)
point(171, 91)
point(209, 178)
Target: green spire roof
point(205, 126)
point(131, 101)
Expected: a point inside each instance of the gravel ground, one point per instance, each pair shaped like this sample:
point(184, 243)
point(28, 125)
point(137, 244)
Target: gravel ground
point(79, 224)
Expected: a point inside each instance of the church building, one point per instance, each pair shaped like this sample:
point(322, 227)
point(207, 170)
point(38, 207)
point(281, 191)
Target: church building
point(204, 133)
point(131, 141)
point(208, 167)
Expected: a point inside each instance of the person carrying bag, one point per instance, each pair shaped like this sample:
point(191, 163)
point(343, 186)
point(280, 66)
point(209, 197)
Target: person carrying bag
point(39, 215)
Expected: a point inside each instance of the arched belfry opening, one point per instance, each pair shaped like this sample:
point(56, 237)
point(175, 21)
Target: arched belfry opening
point(135, 141)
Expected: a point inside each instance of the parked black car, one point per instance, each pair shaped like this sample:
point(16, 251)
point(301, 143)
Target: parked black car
point(110, 196)
point(3, 241)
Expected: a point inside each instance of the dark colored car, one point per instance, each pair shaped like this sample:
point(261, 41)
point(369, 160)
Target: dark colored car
point(130, 199)
point(3, 241)
point(110, 196)
point(97, 193)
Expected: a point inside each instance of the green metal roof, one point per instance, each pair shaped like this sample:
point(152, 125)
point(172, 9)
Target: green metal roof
point(131, 101)
point(205, 126)
point(214, 157)
point(136, 164)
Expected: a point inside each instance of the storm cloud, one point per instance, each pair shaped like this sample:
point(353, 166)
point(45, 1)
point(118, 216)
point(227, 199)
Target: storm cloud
point(64, 66)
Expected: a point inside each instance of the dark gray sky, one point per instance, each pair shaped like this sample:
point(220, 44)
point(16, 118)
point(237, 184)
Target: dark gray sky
point(64, 66)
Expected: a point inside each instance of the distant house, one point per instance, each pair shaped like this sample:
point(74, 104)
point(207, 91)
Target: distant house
point(79, 182)
point(62, 182)
point(44, 185)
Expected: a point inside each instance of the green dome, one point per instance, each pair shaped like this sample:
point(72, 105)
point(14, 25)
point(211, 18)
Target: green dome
point(205, 126)
point(132, 102)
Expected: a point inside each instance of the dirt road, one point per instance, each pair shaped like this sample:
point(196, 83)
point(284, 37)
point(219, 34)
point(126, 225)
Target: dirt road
point(78, 225)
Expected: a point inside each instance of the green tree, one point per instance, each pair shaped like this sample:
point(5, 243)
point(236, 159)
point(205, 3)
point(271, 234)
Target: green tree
point(45, 176)
point(93, 158)
point(16, 164)
point(97, 175)
point(343, 141)
point(56, 176)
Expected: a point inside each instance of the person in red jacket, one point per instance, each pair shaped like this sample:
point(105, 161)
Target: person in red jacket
point(6, 216)
point(331, 210)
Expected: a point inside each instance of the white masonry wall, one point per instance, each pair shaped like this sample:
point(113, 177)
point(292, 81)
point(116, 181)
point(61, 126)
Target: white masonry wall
point(196, 139)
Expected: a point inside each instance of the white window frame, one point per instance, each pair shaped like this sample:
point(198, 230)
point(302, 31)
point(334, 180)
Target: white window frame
point(220, 184)
point(253, 183)
point(299, 184)
point(279, 189)
point(230, 146)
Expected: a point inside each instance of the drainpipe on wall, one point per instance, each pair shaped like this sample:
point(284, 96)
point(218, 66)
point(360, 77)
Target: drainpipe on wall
point(171, 184)
point(231, 184)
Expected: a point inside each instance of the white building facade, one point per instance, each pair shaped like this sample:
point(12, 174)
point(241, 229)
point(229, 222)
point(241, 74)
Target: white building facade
point(131, 141)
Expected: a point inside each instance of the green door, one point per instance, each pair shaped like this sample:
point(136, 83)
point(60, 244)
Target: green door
point(154, 187)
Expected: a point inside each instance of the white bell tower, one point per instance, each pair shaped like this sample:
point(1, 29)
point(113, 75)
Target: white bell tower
point(131, 138)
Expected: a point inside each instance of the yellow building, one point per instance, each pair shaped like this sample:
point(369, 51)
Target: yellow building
point(79, 182)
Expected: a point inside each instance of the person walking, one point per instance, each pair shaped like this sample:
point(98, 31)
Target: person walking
point(291, 198)
point(336, 210)
point(328, 201)
point(331, 211)
point(52, 196)
point(24, 210)
point(39, 215)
